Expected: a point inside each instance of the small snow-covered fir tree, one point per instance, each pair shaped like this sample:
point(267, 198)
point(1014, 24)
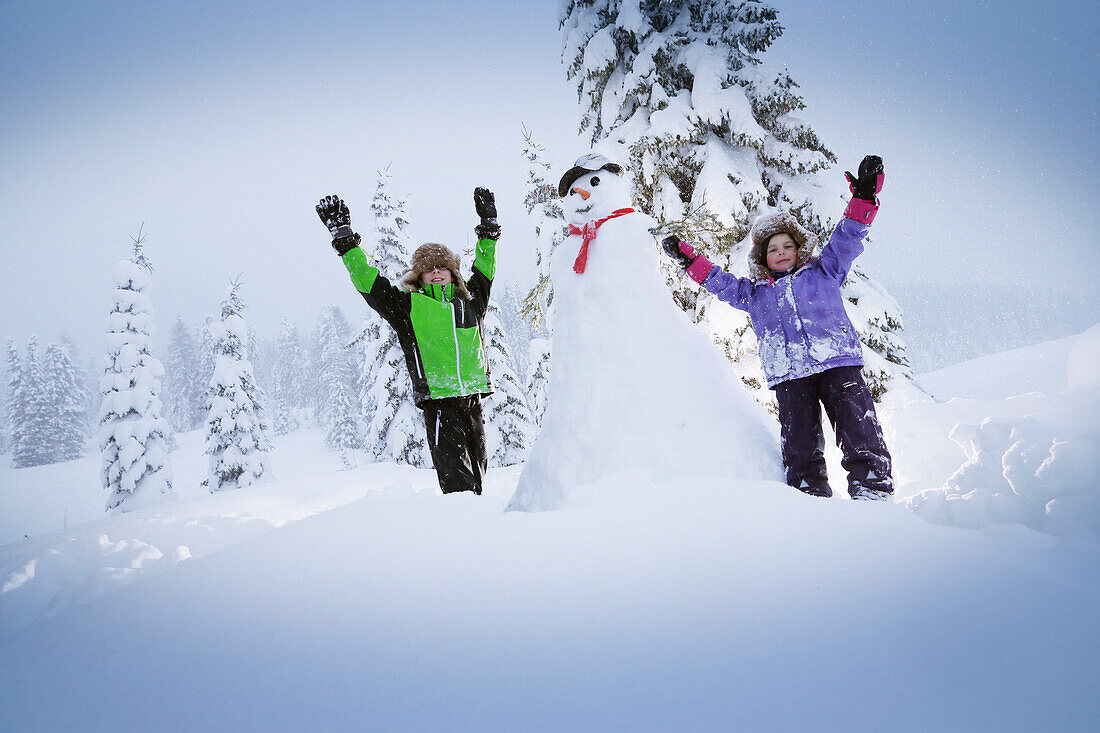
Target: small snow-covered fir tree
point(133, 437)
point(290, 375)
point(338, 409)
point(64, 398)
point(538, 378)
point(87, 379)
point(713, 140)
point(395, 430)
point(283, 419)
point(548, 221)
point(508, 421)
point(33, 446)
point(236, 426)
point(183, 384)
point(370, 342)
point(13, 410)
point(5, 421)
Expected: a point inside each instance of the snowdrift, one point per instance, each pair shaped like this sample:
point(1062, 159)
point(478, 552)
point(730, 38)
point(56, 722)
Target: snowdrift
point(1034, 459)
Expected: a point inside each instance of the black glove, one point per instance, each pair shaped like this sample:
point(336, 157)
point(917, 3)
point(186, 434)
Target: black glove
point(337, 218)
point(486, 207)
point(869, 182)
point(671, 246)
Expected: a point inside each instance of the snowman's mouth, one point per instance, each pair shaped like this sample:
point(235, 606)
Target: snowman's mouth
point(584, 209)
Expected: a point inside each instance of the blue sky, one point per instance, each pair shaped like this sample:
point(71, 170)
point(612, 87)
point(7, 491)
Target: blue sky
point(218, 125)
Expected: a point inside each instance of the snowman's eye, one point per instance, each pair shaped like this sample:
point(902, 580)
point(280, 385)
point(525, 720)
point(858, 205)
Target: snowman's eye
point(595, 181)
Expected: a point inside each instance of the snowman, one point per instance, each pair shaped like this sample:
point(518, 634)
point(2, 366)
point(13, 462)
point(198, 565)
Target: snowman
point(634, 386)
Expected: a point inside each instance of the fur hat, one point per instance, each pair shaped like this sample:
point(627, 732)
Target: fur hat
point(769, 225)
point(428, 257)
point(588, 163)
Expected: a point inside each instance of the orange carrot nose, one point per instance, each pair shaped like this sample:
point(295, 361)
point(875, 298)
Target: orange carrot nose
point(584, 194)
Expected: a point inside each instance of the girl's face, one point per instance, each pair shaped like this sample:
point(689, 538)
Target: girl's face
point(438, 276)
point(782, 254)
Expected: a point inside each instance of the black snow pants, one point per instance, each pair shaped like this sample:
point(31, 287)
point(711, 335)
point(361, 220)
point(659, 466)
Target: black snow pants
point(456, 438)
point(851, 412)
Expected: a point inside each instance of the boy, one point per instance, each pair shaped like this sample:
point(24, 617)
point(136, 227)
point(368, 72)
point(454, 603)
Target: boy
point(437, 316)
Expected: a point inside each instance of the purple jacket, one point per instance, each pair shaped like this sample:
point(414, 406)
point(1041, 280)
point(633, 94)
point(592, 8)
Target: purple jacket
point(799, 319)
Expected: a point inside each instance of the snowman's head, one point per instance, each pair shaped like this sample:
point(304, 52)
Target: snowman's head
point(592, 189)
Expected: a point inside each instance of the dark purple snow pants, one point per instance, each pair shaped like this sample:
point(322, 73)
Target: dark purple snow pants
point(851, 412)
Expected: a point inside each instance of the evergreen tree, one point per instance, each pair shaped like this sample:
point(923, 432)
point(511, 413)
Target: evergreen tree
point(370, 342)
point(183, 385)
point(283, 419)
point(518, 332)
point(713, 140)
point(290, 380)
point(538, 379)
point(339, 411)
point(548, 221)
point(85, 377)
point(65, 419)
point(5, 422)
point(13, 403)
point(34, 446)
point(236, 426)
point(395, 431)
point(508, 422)
point(133, 437)
point(258, 354)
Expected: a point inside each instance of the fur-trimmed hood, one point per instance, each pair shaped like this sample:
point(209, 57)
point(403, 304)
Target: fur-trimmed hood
point(428, 257)
point(762, 231)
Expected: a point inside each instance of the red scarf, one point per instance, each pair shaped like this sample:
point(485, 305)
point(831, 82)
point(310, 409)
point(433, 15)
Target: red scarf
point(589, 233)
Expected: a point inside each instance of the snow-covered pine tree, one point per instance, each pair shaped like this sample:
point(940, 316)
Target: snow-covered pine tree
point(133, 436)
point(371, 343)
point(290, 371)
point(12, 408)
point(395, 431)
point(713, 140)
point(5, 422)
point(183, 385)
point(33, 447)
point(283, 419)
point(258, 354)
point(87, 379)
point(236, 425)
point(518, 332)
point(538, 378)
point(64, 399)
point(509, 426)
point(548, 221)
point(339, 412)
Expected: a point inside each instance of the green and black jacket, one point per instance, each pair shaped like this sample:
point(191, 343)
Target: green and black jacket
point(439, 332)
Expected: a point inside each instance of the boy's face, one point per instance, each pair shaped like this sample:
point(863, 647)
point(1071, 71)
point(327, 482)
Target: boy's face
point(782, 252)
point(436, 276)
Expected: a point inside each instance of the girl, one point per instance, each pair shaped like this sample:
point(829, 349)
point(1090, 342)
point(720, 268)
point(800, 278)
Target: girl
point(808, 347)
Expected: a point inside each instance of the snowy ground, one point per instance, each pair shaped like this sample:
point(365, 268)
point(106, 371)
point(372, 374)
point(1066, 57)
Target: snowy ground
point(364, 599)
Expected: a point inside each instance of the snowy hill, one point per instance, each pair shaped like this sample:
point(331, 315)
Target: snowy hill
point(364, 599)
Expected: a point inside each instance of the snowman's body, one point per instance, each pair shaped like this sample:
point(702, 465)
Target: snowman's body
point(633, 385)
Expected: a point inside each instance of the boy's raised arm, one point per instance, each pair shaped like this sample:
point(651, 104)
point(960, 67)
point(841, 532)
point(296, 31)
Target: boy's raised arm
point(485, 257)
point(379, 293)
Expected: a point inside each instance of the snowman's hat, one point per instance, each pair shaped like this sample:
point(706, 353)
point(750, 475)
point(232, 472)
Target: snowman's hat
point(588, 163)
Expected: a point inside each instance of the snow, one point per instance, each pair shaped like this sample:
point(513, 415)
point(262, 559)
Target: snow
point(1032, 459)
point(344, 600)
